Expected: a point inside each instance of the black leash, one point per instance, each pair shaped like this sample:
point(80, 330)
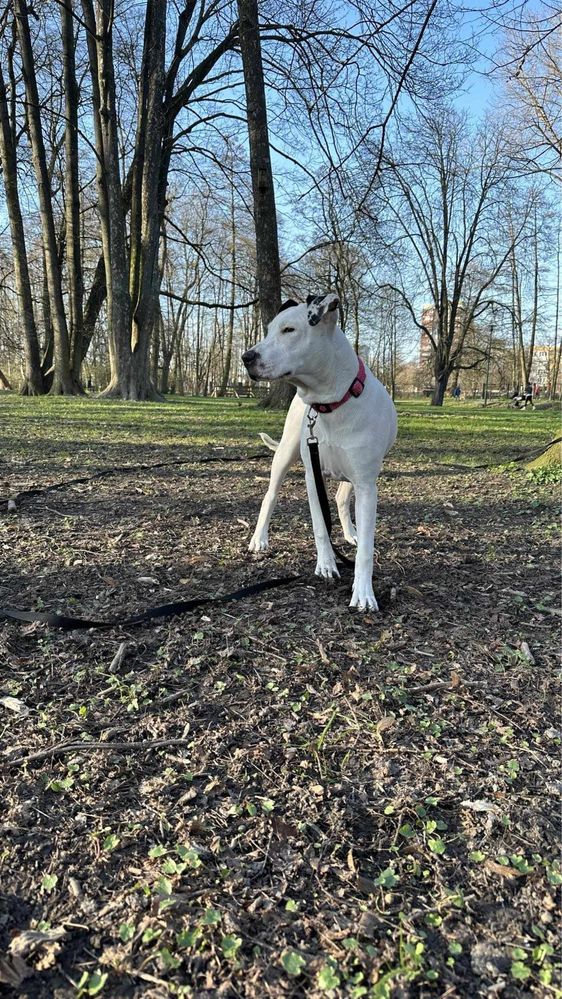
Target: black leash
point(67, 623)
point(312, 442)
point(123, 469)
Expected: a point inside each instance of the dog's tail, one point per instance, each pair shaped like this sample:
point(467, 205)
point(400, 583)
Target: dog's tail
point(269, 442)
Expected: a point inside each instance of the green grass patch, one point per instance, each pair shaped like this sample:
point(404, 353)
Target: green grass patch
point(59, 428)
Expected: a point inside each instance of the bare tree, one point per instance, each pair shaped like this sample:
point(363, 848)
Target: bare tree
point(63, 382)
point(530, 63)
point(443, 189)
point(72, 192)
point(33, 378)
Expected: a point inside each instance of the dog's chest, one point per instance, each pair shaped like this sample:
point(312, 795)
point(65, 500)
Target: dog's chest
point(334, 461)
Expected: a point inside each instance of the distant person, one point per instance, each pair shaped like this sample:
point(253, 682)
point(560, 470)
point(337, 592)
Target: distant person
point(457, 393)
point(89, 385)
point(528, 395)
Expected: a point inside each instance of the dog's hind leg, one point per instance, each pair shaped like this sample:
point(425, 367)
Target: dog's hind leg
point(343, 500)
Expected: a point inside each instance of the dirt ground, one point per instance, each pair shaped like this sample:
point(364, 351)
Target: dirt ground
point(347, 805)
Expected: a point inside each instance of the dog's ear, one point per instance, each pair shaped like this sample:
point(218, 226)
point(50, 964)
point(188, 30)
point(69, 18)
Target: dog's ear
point(289, 304)
point(320, 306)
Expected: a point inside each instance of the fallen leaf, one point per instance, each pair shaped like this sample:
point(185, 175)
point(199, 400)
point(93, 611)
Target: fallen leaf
point(13, 970)
point(481, 805)
point(28, 941)
point(14, 704)
point(502, 870)
point(282, 829)
point(385, 723)
point(525, 650)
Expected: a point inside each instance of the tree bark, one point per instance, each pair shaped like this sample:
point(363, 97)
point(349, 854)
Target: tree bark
point(33, 378)
point(148, 193)
point(110, 193)
point(441, 380)
point(94, 302)
point(72, 192)
point(230, 333)
point(265, 215)
point(63, 383)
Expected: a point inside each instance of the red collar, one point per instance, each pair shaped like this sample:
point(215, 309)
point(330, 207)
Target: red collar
point(355, 390)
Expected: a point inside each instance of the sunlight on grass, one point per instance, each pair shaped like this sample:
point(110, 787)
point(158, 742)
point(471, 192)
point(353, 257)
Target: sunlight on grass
point(90, 431)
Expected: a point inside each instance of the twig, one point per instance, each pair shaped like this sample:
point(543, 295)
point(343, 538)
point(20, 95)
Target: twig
point(118, 657)
point(92, 747)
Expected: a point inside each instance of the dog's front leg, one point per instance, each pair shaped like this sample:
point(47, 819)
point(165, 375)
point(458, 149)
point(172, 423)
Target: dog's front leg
point(326, 560)
point(366, 516)
point(283, 458)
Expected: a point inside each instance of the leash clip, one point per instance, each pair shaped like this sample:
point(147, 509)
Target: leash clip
point(312, 438)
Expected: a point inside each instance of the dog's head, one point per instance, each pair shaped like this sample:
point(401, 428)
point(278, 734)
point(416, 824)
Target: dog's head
point(295, 341)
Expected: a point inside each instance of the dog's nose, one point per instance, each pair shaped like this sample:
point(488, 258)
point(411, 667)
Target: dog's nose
point(249, 357)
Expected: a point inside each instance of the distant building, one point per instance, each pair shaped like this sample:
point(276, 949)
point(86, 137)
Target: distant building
point(542, 369)
point(429, 319)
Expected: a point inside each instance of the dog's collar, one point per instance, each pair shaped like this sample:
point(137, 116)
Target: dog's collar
point(354, 390)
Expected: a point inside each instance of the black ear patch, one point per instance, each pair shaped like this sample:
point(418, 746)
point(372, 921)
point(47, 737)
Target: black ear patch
point(289, 304)
point(310, 299)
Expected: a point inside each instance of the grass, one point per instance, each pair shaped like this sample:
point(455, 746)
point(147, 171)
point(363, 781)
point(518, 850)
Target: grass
point(60, 427)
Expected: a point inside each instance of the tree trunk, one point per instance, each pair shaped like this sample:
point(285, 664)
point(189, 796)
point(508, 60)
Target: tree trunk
point(155, 350)
point(557, 349)
point(63, 383)
point(72, 192)
point(147, 204)
point(442, 375)
point(99, 35)
point(33, 378)
point(4, 381)
point(265, 215)
point(94, 302)
point(230, 334)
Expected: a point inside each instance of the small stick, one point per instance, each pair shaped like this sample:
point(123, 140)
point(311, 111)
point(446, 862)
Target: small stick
point(118, 657)
point(92, 747)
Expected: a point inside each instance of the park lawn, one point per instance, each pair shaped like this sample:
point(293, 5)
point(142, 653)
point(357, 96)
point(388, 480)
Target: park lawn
point(348, 805)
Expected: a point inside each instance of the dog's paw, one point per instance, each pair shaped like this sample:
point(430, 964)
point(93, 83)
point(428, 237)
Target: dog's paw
point(363, 598)
point(351, 537)
point(259, 543)
point(326, 568)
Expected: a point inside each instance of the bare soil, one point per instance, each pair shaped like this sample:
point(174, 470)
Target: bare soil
point(348, 804)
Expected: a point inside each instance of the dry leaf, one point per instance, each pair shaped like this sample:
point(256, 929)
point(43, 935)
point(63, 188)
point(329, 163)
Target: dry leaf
point(501, 869)
point(13, 970)
point(385, 723)
point(28, 941)
point(14, 704)
point(481, 805)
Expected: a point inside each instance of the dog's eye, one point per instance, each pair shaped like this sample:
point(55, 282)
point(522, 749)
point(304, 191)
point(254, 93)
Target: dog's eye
point(288, 329)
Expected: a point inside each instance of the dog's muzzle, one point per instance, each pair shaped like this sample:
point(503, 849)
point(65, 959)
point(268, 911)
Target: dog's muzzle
point(249, 359)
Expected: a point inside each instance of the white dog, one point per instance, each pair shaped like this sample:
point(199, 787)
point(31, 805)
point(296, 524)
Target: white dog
point(354, 421)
